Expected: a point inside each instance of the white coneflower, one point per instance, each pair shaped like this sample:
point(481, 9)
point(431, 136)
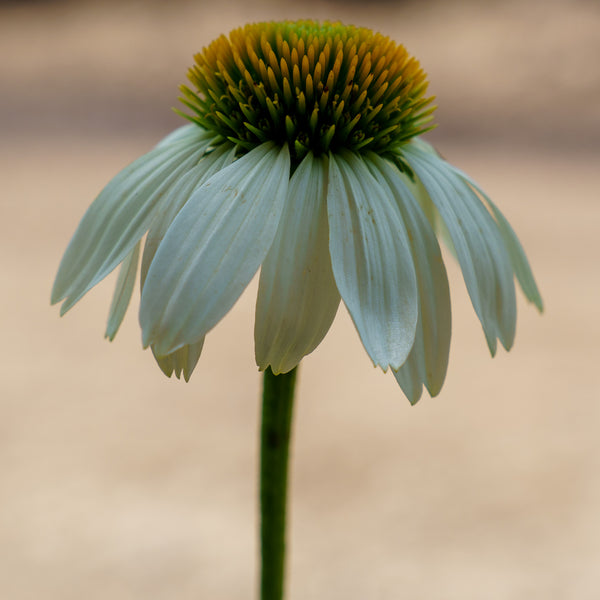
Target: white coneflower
point(303, 159)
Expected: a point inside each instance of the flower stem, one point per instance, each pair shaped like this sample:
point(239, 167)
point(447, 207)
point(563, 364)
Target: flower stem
point(278, 400)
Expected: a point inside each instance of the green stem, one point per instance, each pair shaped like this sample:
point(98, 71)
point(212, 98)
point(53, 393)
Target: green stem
point(278, 401)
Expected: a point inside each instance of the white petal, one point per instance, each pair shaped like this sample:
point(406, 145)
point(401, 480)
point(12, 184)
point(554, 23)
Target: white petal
point(411, 375)
point(191, 131)
point(479, 248)
point(213, 248)
point(120, 216)
point(123, 291)
point(297, 295)
point(183, 360)
point(371, 261)
point(428, 360)
point(427, 206)
point(518, 259)
point(179, 194)
point(431, 212)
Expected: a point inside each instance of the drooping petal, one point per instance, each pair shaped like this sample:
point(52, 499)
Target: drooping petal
point(518, 259)
point(186, 132)
point(120, 216)
point(185, 358)
point(427, 362)
point(431, 212)
point(411, 375)
point(213, 248)
point(179, 194)
point(422, 197)
point(182, 361)
point(297, 295)
point(371, 260)
point(123, 291)
point(479, 247)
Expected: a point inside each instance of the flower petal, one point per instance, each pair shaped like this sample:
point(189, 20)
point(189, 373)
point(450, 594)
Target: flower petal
point(187, 132)
point(411, 375)
point(120, 216)
point(297, 294)
point(479, 247)
point(427, 362)
point(211, 163)
point(213, 248)
point(431, 212)
point(518, 259)
point(371, 260)
point(123, 291)
point(183, 360)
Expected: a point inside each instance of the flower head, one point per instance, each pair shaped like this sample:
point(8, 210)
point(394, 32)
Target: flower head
point(303, 159)
point(313, 87)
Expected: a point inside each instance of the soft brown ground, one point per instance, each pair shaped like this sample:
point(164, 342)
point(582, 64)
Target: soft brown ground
point(118, 483)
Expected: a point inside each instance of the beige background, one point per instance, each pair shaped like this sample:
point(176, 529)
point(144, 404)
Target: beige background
point(118, 483)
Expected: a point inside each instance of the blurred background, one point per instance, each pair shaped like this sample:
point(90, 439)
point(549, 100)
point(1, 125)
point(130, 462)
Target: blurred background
point(119, 483)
